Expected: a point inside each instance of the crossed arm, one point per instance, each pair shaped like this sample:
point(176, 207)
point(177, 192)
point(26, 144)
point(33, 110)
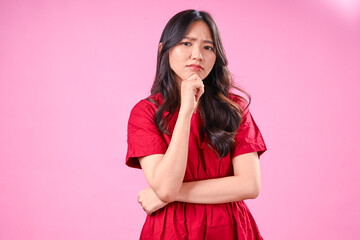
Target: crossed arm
point(245, 184)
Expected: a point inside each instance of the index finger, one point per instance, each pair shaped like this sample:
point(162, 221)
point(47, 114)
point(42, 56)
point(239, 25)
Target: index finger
point(193, 76)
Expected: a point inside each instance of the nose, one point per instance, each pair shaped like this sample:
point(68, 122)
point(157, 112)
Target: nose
point(196, 53)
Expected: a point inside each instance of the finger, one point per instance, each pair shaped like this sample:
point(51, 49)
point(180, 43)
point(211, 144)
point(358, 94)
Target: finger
point(198, 78)
point(193, 77)
point(148, 212)
point(199, 92)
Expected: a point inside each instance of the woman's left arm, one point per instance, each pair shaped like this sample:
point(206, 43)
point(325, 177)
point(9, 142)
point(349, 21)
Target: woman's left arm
point(245, 184)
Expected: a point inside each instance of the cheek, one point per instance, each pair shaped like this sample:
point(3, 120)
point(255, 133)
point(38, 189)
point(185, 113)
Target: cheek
point(177, 59)
point(173, 58)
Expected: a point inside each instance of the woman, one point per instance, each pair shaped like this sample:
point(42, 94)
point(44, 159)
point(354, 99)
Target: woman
point(196, 142)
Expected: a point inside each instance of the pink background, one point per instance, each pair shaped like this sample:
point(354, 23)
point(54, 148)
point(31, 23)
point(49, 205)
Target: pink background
point(70, 71)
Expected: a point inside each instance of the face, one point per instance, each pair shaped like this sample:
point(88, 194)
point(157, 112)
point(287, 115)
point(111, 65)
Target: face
point(194, 54)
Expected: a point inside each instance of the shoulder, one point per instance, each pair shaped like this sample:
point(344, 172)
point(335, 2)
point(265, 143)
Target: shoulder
point(150, 103)
point(240, 101)
point(146, 107)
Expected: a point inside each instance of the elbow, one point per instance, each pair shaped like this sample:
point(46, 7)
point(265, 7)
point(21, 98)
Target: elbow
point(254, 190)
point(167, 196)
point(167, 192)
point(248, 189)
point(254, 194)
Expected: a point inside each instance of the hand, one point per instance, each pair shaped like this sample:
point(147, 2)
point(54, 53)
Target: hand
point(191, 90)
point(149, 201)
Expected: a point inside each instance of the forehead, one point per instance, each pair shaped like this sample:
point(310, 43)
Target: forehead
point(199, 30)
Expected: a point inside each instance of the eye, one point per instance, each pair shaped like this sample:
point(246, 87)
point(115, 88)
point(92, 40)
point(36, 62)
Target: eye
point(186, 43)
point(209, 48)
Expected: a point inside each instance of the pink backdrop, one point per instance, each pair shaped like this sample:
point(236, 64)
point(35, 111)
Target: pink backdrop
point(70, 71)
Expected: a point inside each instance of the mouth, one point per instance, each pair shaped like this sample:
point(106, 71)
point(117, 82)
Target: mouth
point(195, 67)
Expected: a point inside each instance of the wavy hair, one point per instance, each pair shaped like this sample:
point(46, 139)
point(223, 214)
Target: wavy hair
point(221, 116)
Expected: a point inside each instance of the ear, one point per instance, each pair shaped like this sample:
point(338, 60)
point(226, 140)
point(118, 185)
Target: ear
point(160, 47)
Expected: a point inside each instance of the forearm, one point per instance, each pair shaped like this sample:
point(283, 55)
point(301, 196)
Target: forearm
point(165, 173)
point(169, 172)
point(219, 190)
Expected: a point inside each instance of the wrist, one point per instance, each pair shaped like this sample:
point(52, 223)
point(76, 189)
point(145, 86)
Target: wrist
point(185, 114)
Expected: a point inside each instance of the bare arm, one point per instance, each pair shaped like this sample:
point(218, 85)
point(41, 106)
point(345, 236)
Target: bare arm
point(165, 172)
point(245, 184)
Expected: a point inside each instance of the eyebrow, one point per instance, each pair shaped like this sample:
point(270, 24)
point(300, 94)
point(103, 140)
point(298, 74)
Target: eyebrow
point(194, 39)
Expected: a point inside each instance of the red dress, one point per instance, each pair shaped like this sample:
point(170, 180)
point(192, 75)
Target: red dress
point(179, 220)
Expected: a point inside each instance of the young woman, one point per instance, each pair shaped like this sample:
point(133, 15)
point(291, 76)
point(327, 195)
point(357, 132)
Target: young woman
point(195, 141)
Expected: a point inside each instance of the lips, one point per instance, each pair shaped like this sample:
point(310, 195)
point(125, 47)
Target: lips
point(195, 67)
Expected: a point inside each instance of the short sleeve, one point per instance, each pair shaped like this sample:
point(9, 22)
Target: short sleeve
point(143, 137)
point(248, 138)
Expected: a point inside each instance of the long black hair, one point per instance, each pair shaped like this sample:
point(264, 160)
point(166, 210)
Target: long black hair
point(221, 116)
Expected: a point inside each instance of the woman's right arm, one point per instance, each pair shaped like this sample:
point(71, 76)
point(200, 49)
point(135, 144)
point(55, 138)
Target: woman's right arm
point(165, 172)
